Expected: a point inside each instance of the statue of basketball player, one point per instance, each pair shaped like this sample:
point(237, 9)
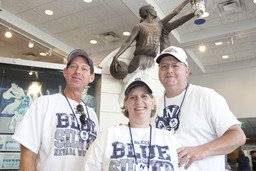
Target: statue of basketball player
point(147, 34)
point(164, 39)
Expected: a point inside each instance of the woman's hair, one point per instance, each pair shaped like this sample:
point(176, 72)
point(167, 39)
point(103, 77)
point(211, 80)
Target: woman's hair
point(240, 153)
point(125, 111)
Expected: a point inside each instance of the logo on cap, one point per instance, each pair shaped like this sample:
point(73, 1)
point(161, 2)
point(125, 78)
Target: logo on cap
point(171, 50)
point(137, 79)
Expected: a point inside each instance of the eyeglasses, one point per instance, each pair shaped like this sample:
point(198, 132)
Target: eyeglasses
point(82, 118)
point(175, 66)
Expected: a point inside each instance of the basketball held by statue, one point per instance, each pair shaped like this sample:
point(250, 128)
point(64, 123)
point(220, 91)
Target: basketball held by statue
point(118, 69)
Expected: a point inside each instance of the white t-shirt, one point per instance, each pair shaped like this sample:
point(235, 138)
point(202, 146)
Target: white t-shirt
point(204, 117)
point(113, 150)
point(50, 130)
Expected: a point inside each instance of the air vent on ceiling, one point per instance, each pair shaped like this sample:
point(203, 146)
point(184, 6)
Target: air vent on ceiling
point(108, 37)
point(230, 6)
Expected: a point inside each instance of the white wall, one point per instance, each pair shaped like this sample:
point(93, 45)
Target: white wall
point(237, 86)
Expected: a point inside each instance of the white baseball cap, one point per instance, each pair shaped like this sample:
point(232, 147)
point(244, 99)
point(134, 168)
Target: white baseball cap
point(174, 51)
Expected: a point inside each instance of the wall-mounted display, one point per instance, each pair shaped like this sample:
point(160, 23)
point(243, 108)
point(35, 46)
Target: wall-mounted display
point(7, 143)
point(9, 161)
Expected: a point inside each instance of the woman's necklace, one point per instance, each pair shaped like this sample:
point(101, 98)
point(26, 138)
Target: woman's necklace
point(141, 166)
point(83, 134)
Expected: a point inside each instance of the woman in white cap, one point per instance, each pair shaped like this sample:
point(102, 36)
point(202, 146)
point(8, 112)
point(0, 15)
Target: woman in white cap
point(154, 149)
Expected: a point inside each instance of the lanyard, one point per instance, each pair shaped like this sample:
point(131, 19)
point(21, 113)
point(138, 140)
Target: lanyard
point(73, 110)
point(181, 101)
point(133, 144)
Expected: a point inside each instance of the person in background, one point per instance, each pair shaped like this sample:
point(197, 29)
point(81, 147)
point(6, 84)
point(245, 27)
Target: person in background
point(57, 130)
point(227, 163)
point(137, 146)
point(88, 99)
point(198, 116)
point(253, 155)
point(242, 162)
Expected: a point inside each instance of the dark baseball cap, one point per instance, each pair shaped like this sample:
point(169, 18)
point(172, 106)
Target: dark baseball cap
point(82, 53)
point(137, 82)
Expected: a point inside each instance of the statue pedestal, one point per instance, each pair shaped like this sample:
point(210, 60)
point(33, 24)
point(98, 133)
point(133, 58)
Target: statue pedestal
point(112, 90)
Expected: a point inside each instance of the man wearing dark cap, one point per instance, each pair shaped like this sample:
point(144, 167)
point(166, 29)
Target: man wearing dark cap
point(198, 116)
point(57, 130)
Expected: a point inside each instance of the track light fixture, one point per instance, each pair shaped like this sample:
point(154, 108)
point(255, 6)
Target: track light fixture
point(65, 61)
point(10, 32)
point(30, 72)
point(43, 54)
point(49, 53)
point(31, 44)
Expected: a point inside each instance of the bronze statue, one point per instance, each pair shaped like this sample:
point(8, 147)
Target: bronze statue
point(148, 34)
point(164, 39)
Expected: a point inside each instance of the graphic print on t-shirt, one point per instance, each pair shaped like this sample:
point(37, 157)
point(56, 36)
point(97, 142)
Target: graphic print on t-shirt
point(68, 139)
point(170, 120)
point(123, 158)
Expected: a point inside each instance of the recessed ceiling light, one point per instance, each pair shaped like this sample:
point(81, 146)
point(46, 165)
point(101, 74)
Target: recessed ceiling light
point(254, 1)
point(202, 48)
point(93, 42)
point(31, 44)
point(8, 34)
point(87, 1)
point(218, 43)
point(126, 33)
point(225, 57)
point(48, 12)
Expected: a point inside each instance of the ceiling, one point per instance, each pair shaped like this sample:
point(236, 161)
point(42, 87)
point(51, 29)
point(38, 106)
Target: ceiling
point(75, 23)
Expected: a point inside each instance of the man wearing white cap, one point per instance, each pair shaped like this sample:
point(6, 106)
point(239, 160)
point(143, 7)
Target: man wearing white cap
point(57, 130)
point(198, 117)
